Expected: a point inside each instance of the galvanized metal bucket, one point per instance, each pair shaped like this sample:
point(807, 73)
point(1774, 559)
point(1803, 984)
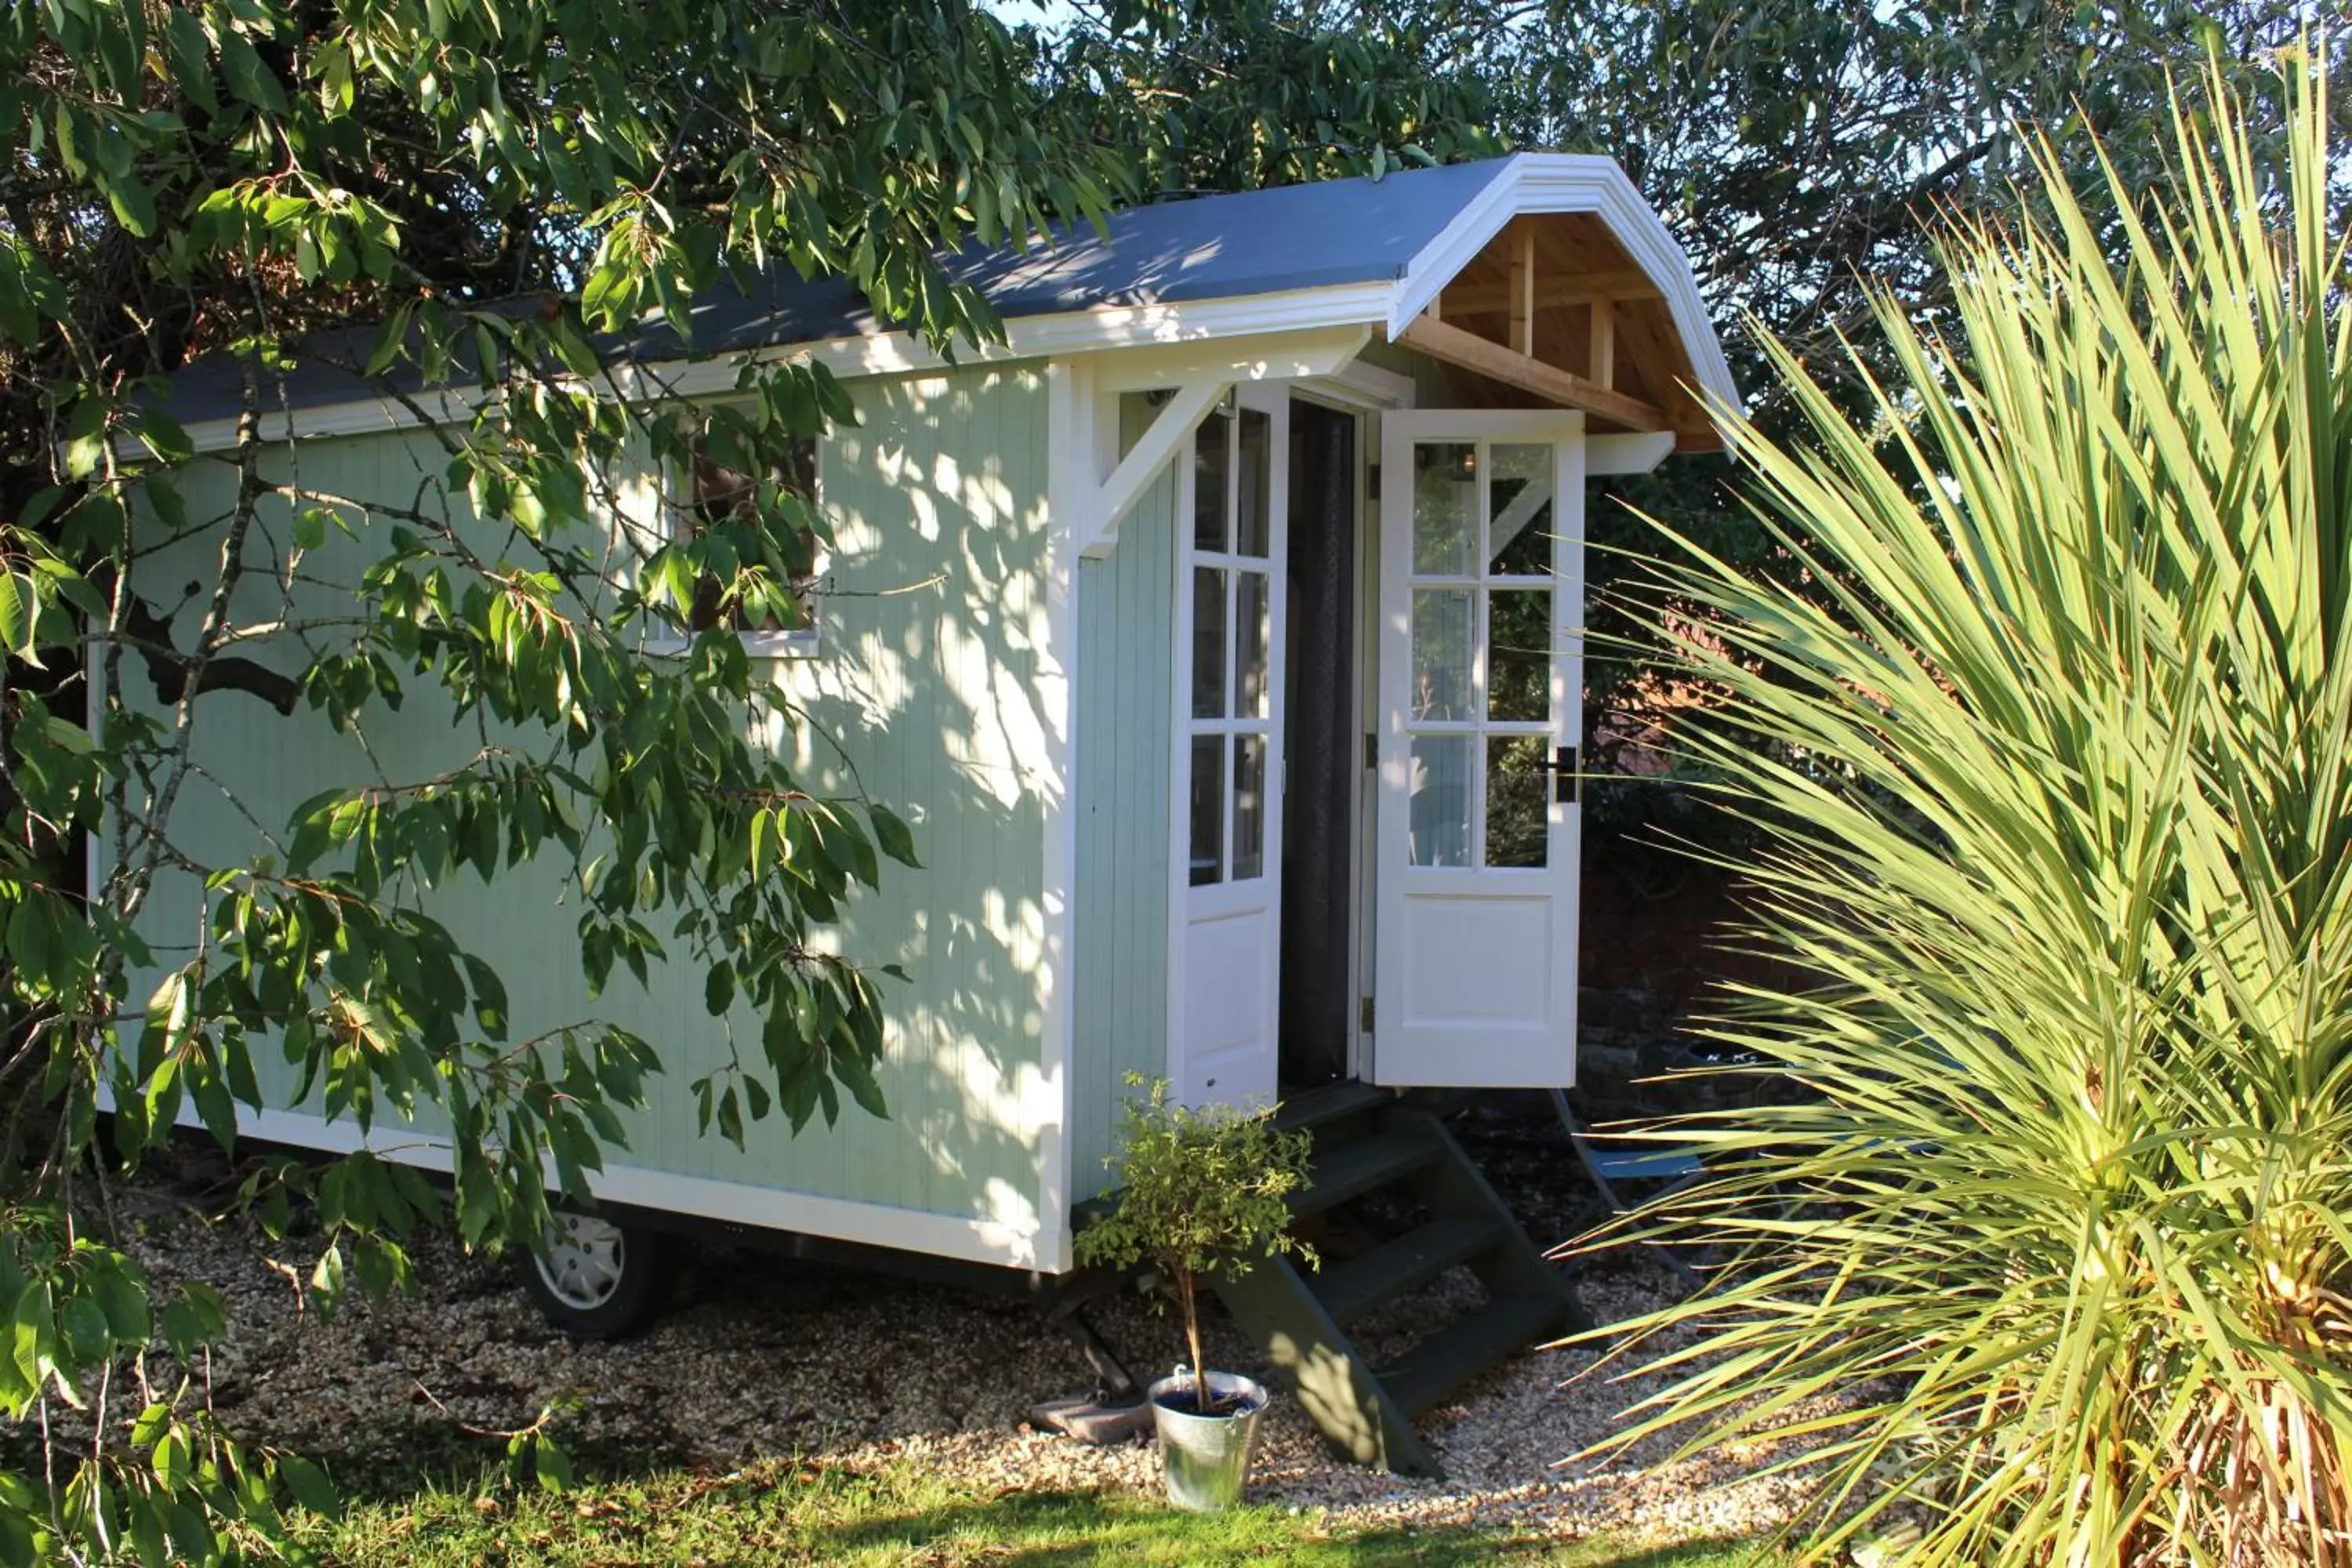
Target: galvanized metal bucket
point(1206, 1458)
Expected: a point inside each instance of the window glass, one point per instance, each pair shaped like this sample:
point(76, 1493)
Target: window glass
point(1252, 628)
point(1520, 513)
point(1444, 507)
point(1208, 642)
point(1208, 472)
point(1518, 800)
point(1439, 792)
point(1518, 654)
point(1249, 807)
point(719, 494)
point(1208, 831)
point(1441, 656)
point(1257, 484)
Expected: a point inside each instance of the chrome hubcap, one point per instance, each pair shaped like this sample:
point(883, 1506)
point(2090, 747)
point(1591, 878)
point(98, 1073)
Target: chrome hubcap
point(582, 1265)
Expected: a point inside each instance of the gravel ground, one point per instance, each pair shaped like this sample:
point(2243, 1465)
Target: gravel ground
point(762, 1356)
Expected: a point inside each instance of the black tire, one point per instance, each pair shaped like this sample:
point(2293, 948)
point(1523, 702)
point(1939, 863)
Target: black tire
point(598, 1279)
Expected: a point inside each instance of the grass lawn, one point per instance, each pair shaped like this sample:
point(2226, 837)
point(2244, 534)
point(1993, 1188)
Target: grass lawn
point(785, 1513)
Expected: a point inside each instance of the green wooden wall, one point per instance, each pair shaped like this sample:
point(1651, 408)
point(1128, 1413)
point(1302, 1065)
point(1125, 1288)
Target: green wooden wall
point(1428, 376)
point(926, 681)
point(1127, 605)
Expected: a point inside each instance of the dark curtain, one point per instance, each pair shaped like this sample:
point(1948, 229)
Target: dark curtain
point(1324, 747)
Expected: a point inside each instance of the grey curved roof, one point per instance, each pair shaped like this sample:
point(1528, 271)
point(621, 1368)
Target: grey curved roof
point(1206, 247)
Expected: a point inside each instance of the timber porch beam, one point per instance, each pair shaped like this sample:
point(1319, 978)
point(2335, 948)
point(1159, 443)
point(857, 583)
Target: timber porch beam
point(1442, 340)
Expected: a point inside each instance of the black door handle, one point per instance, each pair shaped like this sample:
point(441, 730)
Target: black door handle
point(1561, 766)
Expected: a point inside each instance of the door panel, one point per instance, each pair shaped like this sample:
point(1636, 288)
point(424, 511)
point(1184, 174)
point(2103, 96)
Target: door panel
point(1481, 693)
point(1230, 625)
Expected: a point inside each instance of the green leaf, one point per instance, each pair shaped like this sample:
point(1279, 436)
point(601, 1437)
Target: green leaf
point(32, 1331)
point(247, 76)
point(309, 1487)
point(191, 51)
point(893, 834)
point(133, 203)
point(15, 613)
point(551, 1466)
point(124, 1301)
point(326, 1291)
point(82, 1325)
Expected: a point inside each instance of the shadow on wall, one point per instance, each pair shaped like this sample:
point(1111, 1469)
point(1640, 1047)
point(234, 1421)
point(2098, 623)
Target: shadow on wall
point(928, 681)
point(928, 697)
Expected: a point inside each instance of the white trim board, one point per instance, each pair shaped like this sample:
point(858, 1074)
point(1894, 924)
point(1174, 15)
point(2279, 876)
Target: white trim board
point(736, 1202)
point(1071, 445)
point(1269, 316)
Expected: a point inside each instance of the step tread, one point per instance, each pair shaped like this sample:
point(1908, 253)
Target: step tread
point(1356, 1168)
point(1333, 1102)
point(1469, 1345)
point(1349, 1289)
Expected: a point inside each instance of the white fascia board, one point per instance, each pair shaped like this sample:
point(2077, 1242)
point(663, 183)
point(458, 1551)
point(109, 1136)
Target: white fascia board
point(881, 353)
point(736, 1202)
point(358, 417)
point(1260, 356)
point(1634, 454)
point(1539, 182)
point(1362, 385)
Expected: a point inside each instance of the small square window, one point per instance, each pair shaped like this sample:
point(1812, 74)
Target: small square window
point(714, 492)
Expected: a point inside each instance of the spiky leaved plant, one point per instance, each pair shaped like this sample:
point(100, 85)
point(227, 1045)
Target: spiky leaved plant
point(2061, 817)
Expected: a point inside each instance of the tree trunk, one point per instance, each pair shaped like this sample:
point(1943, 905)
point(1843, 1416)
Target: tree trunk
point(1203, 1400)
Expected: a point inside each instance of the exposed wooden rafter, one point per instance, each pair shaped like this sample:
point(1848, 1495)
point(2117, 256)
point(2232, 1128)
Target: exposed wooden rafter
point(1523, 290)
point(1442, 340)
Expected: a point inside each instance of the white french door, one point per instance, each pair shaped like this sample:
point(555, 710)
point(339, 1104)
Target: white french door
point(1481, 607)
point(1231, 564)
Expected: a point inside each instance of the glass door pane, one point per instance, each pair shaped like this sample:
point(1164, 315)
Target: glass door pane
point(1482, 652)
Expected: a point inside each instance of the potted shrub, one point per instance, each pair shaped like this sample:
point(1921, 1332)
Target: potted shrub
point(1199, 1191)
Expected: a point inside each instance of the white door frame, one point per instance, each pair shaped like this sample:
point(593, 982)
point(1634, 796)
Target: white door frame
point(1237, 920)
point(1439, 1020)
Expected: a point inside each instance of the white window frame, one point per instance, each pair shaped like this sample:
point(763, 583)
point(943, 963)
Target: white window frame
point(801, 642)
point(1231, 726)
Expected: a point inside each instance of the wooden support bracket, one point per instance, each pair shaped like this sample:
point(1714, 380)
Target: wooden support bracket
point(1159, 444)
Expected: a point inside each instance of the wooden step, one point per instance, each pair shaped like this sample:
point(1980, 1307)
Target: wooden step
point(1353, 1169)
point(1321, 1107)
point(1468, 1346)
point(1350, 1290)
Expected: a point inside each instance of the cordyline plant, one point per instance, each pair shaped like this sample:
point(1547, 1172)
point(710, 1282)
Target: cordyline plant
point(529, 197)
point(2062, 822)
point(1199, 1192)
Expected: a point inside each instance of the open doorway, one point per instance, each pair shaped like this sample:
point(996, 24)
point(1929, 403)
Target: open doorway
point(1322, 747)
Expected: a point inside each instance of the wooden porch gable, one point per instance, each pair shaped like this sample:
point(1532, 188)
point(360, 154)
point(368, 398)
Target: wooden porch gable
point(1552, 310)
